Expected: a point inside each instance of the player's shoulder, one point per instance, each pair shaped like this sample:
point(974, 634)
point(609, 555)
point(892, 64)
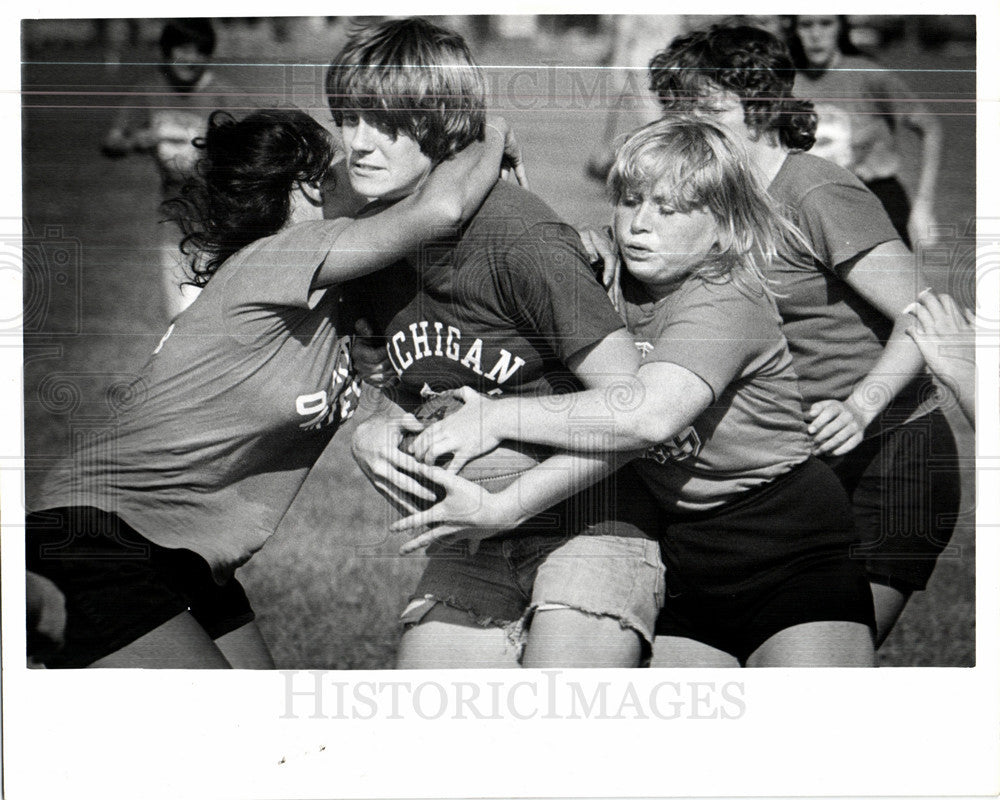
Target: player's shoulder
point(515, 210)
point(804, 174)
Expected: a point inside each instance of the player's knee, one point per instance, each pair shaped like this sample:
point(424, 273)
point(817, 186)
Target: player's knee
point(568, 637)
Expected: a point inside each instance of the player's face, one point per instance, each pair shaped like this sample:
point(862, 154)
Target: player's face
point(380, 163)
point(660, 246)
point(818, 34)
point(186, 64)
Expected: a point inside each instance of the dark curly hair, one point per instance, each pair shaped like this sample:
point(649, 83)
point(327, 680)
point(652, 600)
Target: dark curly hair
point(415, 78)
point(749, 62)
point(244, 179)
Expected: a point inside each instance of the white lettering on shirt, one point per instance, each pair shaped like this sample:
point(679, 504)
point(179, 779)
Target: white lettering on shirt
point(419, 340)
point(451, 346)
point(406, 348)
point(474, 357)
point(437, 344)
point(403, 361)
point(502, 370)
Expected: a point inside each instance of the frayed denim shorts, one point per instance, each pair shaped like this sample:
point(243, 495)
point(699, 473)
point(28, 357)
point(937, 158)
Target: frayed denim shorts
point(593, 553)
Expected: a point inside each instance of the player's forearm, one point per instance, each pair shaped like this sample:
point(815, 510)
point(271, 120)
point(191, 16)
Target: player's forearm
point(930, 162)
point(898, 365)
point(452, 192)
point(554, 480)
point(620, 417)
point(456, 187)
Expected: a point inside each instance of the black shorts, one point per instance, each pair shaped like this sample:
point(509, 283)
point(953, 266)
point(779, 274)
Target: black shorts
point(905, 486)
point(120, 586)
point(831, 589)
point(780, 556)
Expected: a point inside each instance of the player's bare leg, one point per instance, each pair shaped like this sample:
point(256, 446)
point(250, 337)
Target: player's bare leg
point(179, 643)
point(565, 637)
point(889, 604)
point(672, 652)
point(245, 648)
point(817, 644)
point(447, 638)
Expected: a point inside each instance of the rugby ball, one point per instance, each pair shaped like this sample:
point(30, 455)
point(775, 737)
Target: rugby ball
point(494, 471)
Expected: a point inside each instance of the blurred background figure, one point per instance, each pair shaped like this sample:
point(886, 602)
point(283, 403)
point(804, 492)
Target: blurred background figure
point(833, 72)
point(833, 135)
point(162, 116)
point(635, 39)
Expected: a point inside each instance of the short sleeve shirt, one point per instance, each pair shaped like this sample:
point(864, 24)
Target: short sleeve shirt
point(874, 99)
point(501, 308)
point(753, 430)
point(834, 334)
point(214, 438)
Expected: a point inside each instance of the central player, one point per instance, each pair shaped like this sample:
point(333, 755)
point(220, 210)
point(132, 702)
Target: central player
point(507, 305)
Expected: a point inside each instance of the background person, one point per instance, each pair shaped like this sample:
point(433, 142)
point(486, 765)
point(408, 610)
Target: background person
point(162, 117)
point(832, 71)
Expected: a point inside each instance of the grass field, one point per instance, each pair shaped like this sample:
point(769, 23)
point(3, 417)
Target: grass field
point(329, 585)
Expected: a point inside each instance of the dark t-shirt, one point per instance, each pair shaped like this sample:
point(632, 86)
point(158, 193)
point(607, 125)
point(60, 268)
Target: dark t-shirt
point(834, 334)
point(225, 420)
point(752, 431)
point(500, 308)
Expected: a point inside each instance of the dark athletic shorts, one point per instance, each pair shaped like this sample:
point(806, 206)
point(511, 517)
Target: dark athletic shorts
point(905, 488)
point(779, 557)
point(120, 586)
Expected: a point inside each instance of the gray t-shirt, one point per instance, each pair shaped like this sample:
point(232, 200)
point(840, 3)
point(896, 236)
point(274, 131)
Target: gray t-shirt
point(231, 411)
point(753, 430)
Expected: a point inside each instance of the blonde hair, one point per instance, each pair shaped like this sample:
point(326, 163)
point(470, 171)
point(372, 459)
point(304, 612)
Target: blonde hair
point(707, 169)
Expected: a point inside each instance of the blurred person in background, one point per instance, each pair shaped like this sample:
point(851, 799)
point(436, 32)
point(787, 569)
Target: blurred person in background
point(872, 411)
point(833, 71)
point(634, 38)
point(162, 117)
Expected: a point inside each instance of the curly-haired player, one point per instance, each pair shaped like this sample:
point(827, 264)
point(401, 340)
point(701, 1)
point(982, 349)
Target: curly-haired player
point(142, 526)
point(872, 412)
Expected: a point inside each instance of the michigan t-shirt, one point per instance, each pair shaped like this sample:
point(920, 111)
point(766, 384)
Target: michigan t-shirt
point(236, 403)
point(501, 308)
point(753, 430)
